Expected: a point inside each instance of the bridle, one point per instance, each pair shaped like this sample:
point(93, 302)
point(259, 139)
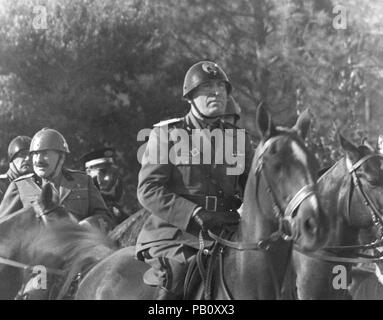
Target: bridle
point(285, 217)
point(376, 216)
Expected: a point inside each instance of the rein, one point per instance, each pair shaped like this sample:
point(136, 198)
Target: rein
point(27, 267)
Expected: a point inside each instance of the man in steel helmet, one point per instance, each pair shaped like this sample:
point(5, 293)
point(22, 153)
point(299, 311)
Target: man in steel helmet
point(100, 165)
point(74, 190)
point(19, 162)
point(186, 197)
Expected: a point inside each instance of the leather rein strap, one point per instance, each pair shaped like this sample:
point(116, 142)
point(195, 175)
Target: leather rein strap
point(27, 267)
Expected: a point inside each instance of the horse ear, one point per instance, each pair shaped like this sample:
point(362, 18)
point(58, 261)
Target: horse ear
point(264, 123)
point(351, 150)
point(302, 125)
point(46, 196)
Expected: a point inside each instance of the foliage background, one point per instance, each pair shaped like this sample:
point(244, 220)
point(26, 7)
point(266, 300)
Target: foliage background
point(103, 70)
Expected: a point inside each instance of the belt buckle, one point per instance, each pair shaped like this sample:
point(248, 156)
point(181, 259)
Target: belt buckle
point(211, 201)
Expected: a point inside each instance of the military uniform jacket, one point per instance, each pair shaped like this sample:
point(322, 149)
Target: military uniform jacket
point(5, 180)
point(168, 190)
point(78, 194)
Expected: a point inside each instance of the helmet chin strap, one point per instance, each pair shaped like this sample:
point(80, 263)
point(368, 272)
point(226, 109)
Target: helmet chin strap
point(13, 167)
point(200, 113)
point(57, 169)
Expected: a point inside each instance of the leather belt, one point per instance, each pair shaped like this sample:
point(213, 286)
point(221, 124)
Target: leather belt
point(215, 203)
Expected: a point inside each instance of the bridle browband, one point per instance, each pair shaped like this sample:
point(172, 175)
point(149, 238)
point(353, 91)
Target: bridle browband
point(283, 216)
point(376, 217)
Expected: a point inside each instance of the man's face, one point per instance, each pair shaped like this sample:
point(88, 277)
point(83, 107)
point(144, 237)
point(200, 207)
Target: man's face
point(211, 98)
point(22, 162)
point(45, 162)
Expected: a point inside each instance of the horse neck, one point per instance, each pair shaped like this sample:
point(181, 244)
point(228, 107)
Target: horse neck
point(332, 189)
point(256, 269)
point(313, 274)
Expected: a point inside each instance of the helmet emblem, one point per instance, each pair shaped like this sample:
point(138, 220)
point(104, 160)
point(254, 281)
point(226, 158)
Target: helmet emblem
point(210, 68)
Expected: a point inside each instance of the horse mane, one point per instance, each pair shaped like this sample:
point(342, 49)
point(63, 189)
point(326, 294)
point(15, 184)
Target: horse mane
point(73, 248)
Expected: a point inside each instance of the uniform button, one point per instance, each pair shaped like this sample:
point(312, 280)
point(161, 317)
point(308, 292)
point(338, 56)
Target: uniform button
point(78, 197)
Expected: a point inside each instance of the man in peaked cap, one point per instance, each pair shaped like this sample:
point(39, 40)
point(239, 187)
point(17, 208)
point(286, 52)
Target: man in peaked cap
point(73, 190)
point(19, 162)
point(100, 165)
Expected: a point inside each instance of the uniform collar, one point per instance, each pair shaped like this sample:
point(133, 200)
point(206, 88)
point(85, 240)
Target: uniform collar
point(202, 124)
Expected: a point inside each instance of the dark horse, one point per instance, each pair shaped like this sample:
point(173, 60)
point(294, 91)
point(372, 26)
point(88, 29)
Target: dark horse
point(351, 193)
point(45, 235)
point(280, 207)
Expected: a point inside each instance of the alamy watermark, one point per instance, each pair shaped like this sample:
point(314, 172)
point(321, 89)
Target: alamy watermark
point(339, 22)
point(202, 146)
point(40, 18)
point(38, 280)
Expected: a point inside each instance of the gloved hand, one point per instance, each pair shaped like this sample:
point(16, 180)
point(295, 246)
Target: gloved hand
point(216, 220)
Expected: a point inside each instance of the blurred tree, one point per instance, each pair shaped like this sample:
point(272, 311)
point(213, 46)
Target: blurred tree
point(103, 70)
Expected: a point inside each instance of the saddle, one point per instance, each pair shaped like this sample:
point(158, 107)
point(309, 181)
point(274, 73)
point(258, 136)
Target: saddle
point(206, 272)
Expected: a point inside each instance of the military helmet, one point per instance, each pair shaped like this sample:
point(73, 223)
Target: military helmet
point(49, 139)
point(202, 72)
point(18, 144)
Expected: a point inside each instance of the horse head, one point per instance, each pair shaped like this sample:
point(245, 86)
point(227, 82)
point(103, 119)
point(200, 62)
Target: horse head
point(351, 194)
point(364, 205)
point(280, 208)
point(282, 186)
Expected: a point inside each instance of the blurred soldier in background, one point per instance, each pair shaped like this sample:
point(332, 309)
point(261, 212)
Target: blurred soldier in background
point(100, 165)
point(73, 190)
point(19, 162)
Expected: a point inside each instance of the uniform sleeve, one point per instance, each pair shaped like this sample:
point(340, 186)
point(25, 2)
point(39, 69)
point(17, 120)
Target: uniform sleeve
point(153, 190)
point(11, 201)
point(96, 202)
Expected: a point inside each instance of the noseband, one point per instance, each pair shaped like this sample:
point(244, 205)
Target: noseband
point(283, 216)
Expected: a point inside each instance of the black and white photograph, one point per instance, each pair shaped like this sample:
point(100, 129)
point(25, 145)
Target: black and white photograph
point(210, 150)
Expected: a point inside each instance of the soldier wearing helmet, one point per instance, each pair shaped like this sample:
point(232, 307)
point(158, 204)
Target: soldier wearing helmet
point(19, 162)
point(186, 197)
point(73, 190)
point(100, 165)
